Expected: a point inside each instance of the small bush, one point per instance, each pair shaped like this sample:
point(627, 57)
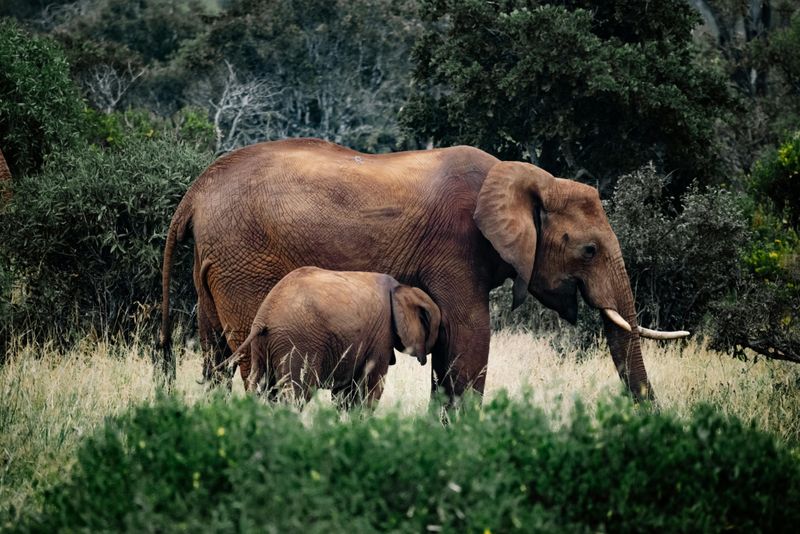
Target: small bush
point(241, 466)
point(189, 125)
point(85, 237)
point(760, 315)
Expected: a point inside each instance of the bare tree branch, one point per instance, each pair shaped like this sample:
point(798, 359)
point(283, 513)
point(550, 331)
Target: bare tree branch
point(54, 15)
point(243, 112)
point(105, 85)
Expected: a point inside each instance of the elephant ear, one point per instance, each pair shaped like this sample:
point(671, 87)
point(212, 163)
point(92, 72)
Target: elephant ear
point(504, 214)
point(416, 320)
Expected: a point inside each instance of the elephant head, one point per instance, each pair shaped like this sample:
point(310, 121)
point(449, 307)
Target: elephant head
point(555, 234)
point(416, 321)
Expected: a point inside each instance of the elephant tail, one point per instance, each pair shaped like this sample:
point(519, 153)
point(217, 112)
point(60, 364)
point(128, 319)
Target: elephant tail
point(177, 231)
point(241, 352)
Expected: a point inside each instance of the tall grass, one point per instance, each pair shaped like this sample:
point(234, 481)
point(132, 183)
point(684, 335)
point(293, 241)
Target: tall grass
point(49, 399)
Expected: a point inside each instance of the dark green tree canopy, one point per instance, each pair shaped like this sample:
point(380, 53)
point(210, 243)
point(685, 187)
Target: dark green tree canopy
point(582, 88)
point(40, 108)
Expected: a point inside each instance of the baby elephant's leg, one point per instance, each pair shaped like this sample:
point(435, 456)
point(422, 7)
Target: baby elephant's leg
point(297, 376)
point(257, 370)
point(374, 391)
point(374, 378)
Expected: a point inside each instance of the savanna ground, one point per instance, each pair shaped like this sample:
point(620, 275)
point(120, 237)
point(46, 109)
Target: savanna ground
point(50, 399)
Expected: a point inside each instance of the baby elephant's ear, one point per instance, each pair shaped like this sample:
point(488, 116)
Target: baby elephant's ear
point(416, 320)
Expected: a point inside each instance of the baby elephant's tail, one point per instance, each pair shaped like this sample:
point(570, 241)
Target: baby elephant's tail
point(240, 353)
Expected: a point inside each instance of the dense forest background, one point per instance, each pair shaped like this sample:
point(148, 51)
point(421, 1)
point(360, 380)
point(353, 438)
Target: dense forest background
point(685, 114)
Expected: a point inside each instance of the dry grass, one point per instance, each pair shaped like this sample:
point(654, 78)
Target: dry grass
point(48, 400)
point(765, 392)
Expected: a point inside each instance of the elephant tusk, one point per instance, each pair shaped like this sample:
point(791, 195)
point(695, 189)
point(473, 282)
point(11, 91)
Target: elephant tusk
point(617, 319)
point(655, 334)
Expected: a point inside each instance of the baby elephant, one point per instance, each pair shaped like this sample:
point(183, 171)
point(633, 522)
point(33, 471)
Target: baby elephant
point(337, 330)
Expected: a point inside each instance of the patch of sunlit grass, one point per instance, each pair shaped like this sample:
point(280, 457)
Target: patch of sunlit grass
point(49, 399)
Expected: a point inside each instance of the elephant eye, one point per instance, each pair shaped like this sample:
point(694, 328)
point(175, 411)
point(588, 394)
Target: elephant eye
point(589, 251)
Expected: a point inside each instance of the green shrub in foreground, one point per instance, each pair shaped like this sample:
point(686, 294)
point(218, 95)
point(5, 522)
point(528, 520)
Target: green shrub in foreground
point(240, 466)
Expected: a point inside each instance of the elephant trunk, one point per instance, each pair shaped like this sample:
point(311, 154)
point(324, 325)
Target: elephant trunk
point(625, 347)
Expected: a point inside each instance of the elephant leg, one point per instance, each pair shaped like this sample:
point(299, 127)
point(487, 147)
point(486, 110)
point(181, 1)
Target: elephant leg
point(365, 391)
point(258, 369)
point(215, 351)
point(373, 388)
point(297, 378)
point(460, 358)
point(269, 384)
point(212, 340)
point(363, 395)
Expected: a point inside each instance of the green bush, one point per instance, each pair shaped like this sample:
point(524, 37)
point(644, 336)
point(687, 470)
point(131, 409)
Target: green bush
point(776, 177)
point(760, 311)
point(761, 315)
point(240, 466)
point(85, 237)
point(775, 247)
point(679, 261)
point(190, 125)
point(40, 108)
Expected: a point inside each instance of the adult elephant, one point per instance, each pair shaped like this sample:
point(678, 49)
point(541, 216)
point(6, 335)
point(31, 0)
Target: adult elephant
point(455, 222)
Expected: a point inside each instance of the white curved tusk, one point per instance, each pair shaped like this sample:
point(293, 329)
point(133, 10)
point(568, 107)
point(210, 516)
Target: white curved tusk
point(655, 334)
point(617, 319)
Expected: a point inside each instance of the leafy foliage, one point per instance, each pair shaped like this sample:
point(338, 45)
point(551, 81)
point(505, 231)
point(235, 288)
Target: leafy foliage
point(84, 238)
point(151, 29)
point(574, 86)
point(778, 54)
point(760, 312)
point(760, 315)
point(776, 177)
point(242, 466)
point(40, 109)
point(678, 261)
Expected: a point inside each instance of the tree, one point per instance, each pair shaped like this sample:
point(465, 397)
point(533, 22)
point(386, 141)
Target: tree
point(151, 29)
point(756, 42)
point(40, 109)
point(242, 112)
point(679, 260)
point(341, 66)
point(581, 88)
point(106, 85)
point(28, 9)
